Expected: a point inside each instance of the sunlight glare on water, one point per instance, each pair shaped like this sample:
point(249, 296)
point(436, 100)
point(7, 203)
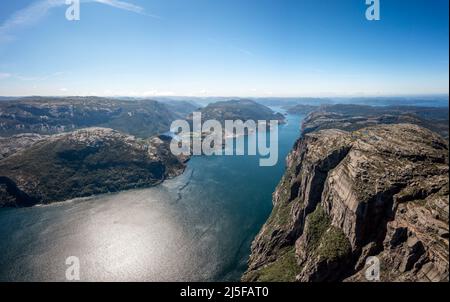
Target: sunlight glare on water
point(196, 227)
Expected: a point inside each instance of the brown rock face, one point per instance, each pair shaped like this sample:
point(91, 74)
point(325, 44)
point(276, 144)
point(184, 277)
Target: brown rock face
point(378, 191)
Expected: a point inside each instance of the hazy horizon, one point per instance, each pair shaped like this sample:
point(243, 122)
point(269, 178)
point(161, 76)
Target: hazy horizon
point(203, 48)
point(401, 96)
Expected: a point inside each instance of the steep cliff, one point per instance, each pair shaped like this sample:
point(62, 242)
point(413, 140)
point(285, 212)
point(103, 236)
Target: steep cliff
point(347, 195)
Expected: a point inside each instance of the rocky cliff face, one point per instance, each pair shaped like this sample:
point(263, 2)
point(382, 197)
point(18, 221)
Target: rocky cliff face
point(347, 195)
point(82, 163)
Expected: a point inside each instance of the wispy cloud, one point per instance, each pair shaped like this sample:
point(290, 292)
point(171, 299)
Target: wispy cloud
point(123, 5)
point(127, 6)
point(232, 47)
point(36, 11)
point(38, 78)
point(27, 17)
point(4, 75)
point(244, 51)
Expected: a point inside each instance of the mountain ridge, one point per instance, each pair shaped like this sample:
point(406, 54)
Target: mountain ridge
point(142, 118)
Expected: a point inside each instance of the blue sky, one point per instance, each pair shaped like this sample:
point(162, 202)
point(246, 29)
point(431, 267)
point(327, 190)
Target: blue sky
point(224, 48)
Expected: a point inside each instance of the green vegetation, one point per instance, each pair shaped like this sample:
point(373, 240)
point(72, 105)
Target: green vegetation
point(334, 245)
point(324, 240)
point(279, 218)
point(281, 214)
point(284, 269)
point(318, 223)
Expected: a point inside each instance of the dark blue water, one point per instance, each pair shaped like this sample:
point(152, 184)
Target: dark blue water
point(196, 227)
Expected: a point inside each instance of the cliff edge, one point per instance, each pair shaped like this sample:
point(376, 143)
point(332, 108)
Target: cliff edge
point(346, 195)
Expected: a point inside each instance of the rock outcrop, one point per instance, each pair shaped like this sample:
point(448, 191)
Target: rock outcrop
point(346, 195)
point(82, 163)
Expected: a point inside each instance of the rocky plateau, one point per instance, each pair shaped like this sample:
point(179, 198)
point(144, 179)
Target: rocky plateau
point(351, 192)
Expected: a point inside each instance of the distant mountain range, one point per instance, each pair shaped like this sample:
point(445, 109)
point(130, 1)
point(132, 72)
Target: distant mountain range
point(142, 118)
point(353, 117)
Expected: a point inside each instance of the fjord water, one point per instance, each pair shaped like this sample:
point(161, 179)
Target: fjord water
point(196, 227)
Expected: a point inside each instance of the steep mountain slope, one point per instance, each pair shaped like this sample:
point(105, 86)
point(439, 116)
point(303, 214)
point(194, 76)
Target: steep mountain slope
point(83, 163)
point(346, 195)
